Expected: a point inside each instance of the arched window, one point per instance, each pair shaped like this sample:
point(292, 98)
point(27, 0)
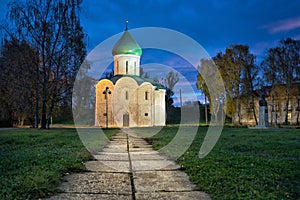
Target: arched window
point(126, 67)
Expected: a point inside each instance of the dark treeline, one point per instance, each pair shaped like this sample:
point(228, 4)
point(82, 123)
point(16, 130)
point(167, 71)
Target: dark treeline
point(42, 50)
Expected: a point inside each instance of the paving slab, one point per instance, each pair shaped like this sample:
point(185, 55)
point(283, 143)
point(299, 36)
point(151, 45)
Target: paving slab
point(139, 142)
point(124, 137)
point(118, 146)
point(95, 183)
point(155, 181)
point(112, 156)
point(141, 149)
point(118, 141)
point(145, 152)
point(108, 166)
point(79, 196)
point(154, 165)
point(142, 156)
point(140, 145)
point(120, 137)
point(191, 195)
point(114, 150)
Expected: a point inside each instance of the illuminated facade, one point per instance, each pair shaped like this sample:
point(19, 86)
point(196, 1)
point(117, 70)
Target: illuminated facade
point(126, 99)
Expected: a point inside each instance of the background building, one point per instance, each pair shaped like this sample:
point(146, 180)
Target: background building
point(277, 106)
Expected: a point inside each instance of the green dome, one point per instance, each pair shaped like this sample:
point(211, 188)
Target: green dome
point(127, 45)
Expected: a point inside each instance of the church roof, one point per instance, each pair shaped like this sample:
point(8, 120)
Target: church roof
point(127, 45)
point(138, 79)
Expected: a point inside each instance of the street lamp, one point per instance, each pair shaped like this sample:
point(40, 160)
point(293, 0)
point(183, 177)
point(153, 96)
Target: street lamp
point(105, 92)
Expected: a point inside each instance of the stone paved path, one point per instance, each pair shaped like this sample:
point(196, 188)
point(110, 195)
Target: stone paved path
point(128, 168)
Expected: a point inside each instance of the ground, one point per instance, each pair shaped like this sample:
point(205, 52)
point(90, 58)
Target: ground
point(245, 164)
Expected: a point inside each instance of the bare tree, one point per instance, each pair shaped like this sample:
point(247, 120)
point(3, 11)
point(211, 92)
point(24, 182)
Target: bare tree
point(171, 79)
point(169, 82)
point(53, 27)
point(282, 67)
point(249, 77)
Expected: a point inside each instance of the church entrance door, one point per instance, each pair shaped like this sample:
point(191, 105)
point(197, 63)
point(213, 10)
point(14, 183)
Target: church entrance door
point(126, 119)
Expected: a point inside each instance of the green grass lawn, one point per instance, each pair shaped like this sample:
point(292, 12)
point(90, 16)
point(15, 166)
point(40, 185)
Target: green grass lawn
point(33, 162)
point(244, 164)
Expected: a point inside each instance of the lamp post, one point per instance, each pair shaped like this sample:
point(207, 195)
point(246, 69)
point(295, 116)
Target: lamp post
point(105, 92)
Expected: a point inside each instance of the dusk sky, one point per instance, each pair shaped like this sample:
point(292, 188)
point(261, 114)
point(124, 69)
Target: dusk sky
point(214, 24)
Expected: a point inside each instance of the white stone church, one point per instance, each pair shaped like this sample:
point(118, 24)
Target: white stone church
point(126, 99)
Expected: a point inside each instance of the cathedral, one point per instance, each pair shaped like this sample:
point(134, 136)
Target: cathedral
point(126, 99)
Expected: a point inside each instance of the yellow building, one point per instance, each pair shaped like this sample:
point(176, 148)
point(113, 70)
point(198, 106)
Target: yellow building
point(276, 101)
point(126, 99)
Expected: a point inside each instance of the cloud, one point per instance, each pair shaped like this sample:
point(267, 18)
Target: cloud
point(283, 25)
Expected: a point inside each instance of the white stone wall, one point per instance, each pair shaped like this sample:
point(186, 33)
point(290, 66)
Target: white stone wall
point(145, 104)
point(133, 64)
point(159, 107)
point(100, 106)
point(123, 105)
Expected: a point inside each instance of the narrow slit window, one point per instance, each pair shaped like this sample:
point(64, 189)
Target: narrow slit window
point(126, 95)
point(117, 67)
point(126, 67)
point(146, 95)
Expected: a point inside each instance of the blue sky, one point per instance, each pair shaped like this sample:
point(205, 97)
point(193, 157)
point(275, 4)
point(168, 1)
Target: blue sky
point(215, 24)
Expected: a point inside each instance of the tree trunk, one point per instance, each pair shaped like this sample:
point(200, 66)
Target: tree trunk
point(238, 110)
point(286, 121)
point(37, 99)
point(50, 113)
point(43, 120)
point(48, 121)
point(297, 118)
point(22, 121)
point(44, 96)
point(253, 109)
point(298, 113)
point(206, 117)
point(239, 113)
point(44, 83)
